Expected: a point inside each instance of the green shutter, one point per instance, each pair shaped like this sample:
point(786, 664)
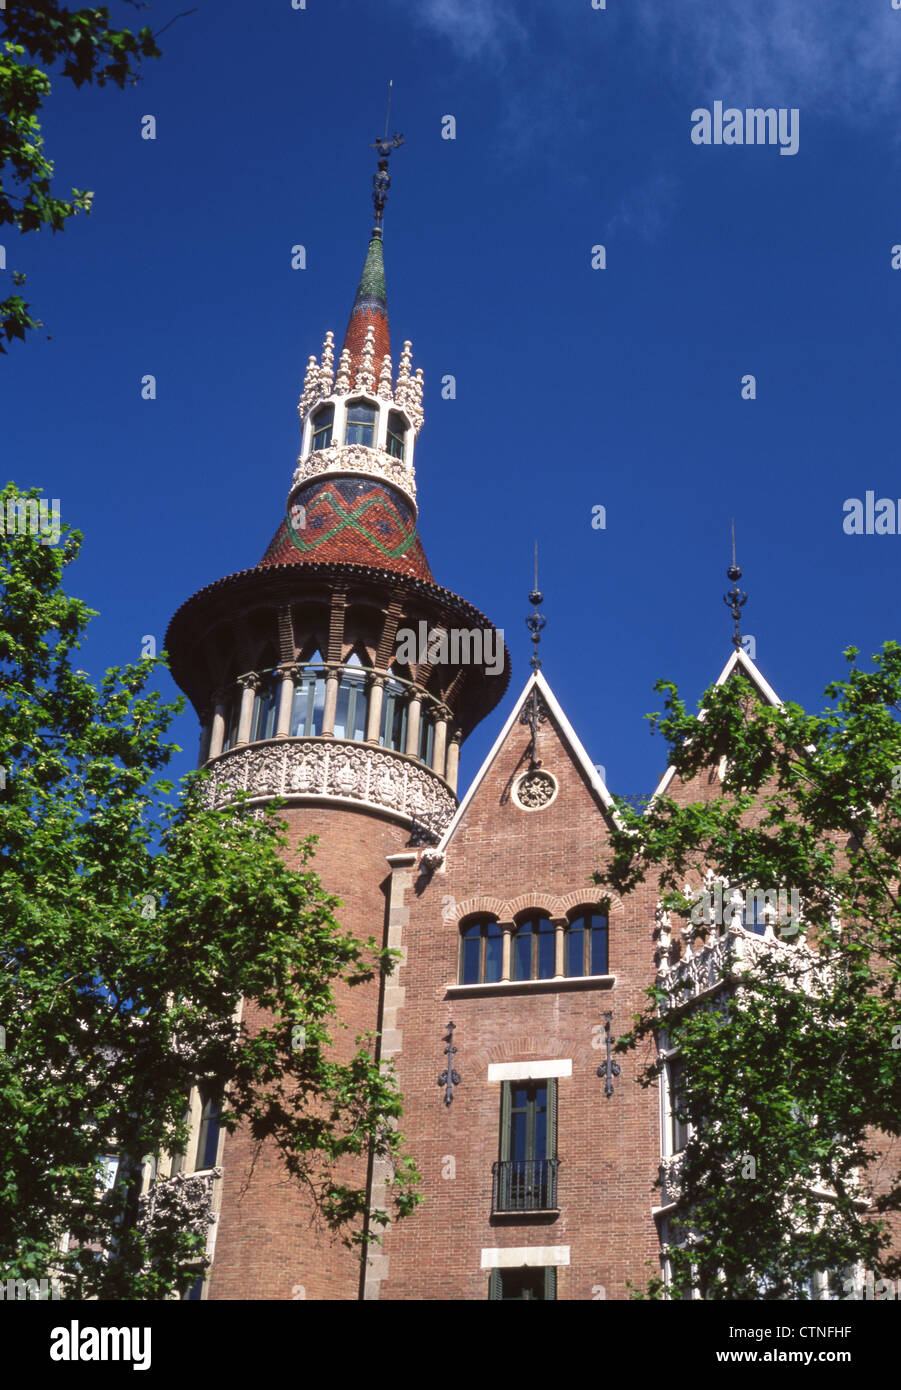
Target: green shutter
point(550, 1283)
point(506, 1105)
point(494, 1285)
point(551, 1118)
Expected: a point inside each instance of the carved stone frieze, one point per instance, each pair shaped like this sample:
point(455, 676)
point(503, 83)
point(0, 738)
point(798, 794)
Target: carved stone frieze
point(354, 772)
point(357, 458)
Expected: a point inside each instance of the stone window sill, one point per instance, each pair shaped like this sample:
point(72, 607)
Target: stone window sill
point(552, 986)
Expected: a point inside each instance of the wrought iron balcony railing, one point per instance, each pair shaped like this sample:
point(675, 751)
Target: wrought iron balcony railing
point(525, 1184)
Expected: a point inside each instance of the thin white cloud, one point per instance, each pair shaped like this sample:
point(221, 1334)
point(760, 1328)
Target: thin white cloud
point(475, 28)
point(842, 56)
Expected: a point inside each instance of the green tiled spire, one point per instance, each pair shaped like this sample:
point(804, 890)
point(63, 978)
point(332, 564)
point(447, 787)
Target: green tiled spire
point(371, 292)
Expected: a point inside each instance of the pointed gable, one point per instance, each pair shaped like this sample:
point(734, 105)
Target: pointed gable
point(705, 784)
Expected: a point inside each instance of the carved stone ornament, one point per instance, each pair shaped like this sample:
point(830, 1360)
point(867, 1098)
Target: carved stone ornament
point(332, 768)
point(535, 790)
point(357, 458)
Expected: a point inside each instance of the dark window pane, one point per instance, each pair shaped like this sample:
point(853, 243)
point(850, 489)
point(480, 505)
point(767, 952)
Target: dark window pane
point(546, 948)
point(472, 946)
point(494, 948)
point(598, 964)
point(208, 1139)
point(522, 953)
point(322, 427)
point(522, 1284)
point(575, 948)
point(360, 425)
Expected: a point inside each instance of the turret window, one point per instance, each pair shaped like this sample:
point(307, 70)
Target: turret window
point(534, 949)
point(393, 733)
point(350, 712)
point(309, 703)
point(397, 434)
point(265, 710)
point(323, 421)
point(426, 739)
point(232, 717)
point(360, 424)
point(481, 953)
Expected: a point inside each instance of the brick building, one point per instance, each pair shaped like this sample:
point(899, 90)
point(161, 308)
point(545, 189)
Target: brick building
point(539, 1161)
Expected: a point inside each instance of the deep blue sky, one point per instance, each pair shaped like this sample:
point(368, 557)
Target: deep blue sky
point(575, 387)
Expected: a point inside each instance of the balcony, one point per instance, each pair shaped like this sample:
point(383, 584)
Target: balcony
point(526, 1185)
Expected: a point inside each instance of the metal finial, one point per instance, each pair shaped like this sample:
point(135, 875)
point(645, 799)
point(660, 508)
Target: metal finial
point(735, 600)
point(381, 179)
point(535, 622)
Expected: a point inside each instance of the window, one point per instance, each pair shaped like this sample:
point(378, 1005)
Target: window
point(232, 717)
point(426, 739)
point(397, 433)
point(265, 709)
point(208, 1138)
point(510, 1285)
point(323, 422)
point(393, 732)
point(309, 701)
point(677, 1130)
point(350, 712)
point(525, 1176)
point(669, 1237)
point(586, 945)
point(534, 949)
point(360, 424)
point(481, 953)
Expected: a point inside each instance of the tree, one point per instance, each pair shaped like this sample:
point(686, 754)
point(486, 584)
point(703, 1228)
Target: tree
point(790, 1043)
point(90, 51)
point(132, 924)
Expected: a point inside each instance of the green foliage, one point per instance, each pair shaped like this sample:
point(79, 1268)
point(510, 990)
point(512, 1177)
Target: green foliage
point(88, 50)
point(132, 925)
point(793, 1064)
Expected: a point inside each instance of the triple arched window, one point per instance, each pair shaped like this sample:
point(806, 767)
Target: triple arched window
point(533, 948)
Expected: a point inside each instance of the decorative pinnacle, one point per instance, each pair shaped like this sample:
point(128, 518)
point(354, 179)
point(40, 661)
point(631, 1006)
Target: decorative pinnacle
point(536, 621)
point(381, 179)
point(735, 600)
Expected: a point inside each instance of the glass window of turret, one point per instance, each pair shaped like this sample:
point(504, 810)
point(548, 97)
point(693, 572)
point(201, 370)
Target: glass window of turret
point(323, 421)
point(360, 423)
point(397, 434)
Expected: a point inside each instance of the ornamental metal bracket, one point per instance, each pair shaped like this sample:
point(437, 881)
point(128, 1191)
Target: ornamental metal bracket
point(534, 713)
point(609, 1068)
point(449, 1078)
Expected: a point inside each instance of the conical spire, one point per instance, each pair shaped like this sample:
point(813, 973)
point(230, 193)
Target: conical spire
point(370, 309)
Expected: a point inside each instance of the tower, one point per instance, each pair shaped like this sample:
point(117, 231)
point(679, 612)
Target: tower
point(337, 675)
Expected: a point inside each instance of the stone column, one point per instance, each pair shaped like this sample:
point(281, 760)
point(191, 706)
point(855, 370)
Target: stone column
point(217, 735)
point(508, 929)
point(250, 684)
point(286, 701)
point(374, 717)
point(560, 924)
point(453, 759)
point(330, 709)
point(414, 713)
point(438, 752)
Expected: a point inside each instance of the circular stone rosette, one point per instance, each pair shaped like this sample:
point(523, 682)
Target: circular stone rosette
point(534, 790)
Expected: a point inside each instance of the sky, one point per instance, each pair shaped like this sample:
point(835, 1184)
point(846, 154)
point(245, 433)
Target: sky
point(576, 388)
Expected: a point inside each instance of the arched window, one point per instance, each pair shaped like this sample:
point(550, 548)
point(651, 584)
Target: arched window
point(265, 709)
point(393, 733)
point(481, 953)
point(350, 712)
point(360, 423)
point(397, 434)
point(323, 422)
point(309, 700)
point(533, 949)
point(586, 945)
point(426, 738)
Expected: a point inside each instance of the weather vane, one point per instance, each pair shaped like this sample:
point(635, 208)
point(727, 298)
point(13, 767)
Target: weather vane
point(535, 621)
point(381, 179)
point(735, 600)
